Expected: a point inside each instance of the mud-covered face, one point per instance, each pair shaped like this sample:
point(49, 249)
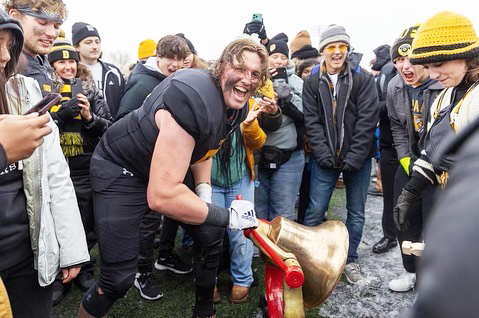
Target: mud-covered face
point(240, 80)
point(413, 75)
point(449, 74)
point(39, 34)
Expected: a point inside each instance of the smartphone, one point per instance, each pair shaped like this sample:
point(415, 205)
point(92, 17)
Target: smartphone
point(258, 17)
point(76, 86)
point(281, 73)
point(45, 104)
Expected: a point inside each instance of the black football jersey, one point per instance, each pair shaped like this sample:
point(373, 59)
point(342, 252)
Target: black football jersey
point(194, 100)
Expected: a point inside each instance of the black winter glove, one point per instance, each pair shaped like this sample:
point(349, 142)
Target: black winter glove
point(327, 163)
point(347, 168)
point(255, 27)
point(400, 212)
point(69, 110)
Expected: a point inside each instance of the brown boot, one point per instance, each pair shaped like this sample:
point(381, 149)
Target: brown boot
point(239, 294)
point(216, 295)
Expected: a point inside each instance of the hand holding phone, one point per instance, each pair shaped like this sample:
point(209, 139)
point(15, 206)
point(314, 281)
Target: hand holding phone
point(45, 104)
point(280, 72)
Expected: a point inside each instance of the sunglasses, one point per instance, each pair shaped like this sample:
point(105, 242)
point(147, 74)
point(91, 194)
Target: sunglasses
point(342, 47)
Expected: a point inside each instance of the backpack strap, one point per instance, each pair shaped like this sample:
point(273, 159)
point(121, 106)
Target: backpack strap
point(315, 74)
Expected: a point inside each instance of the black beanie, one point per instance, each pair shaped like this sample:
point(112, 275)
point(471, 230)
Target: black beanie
point(382, 56)
point(280, 37)
point(188, 42)
point(402, 46)
point(305, 52)
point(62, 50)
point(81, 30)
point(278, 47)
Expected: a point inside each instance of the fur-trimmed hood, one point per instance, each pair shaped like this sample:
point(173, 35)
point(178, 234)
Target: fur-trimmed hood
point(83, 73)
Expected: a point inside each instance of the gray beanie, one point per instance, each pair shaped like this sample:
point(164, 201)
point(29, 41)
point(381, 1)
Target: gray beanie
point(333, 33)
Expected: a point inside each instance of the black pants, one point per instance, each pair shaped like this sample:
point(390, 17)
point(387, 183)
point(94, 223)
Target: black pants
point(27, 298)
point(120, 205)
point(389, 165)
point(417, 215)
point(82, 185)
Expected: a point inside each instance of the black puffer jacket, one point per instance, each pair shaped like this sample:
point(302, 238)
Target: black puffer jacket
point(91, 131)
point(350, 141)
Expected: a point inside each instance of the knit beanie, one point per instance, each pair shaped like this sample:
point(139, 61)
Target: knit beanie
point(403, 44)
point(333, 33)
point(280, 37)
point(299, 41)
point(81, 30)
point(189, 43)
point(146, 49)
point(62, 49)
point(306, 52)
point(444, 37)
point(278, 47)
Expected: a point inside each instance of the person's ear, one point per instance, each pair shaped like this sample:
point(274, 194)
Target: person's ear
point(14, 14)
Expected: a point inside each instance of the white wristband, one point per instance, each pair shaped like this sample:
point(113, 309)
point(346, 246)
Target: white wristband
point(204, 191)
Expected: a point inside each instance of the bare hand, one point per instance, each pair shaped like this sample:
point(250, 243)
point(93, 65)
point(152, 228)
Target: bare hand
point(253, 113)
point(70, 273)
point(20, 135)
point(84, 104)
point(268, 105)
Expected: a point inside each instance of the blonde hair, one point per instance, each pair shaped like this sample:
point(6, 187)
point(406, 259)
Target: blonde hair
point(234, 52)
point(51, 5)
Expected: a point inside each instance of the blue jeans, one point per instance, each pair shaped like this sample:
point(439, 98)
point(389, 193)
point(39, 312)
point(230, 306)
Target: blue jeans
point(278, 190)
point(241, 248)
point(323, 182)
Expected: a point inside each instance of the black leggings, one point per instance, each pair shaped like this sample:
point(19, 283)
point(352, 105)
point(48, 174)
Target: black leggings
point(417, 215)
point(120, 204)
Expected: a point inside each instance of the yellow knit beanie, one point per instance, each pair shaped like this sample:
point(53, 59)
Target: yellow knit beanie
point(444, 37)
point(146, 49)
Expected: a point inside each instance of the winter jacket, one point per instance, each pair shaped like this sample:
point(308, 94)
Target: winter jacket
point(350, 141)
point(285, 137)
point(386, 74)
point(101, 118)
point(399, 112)
point(39, 69)
point(56, 231)
point(113, 86)
point(141, 83)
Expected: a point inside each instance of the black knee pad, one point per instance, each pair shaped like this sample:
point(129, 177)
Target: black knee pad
point(97, 304)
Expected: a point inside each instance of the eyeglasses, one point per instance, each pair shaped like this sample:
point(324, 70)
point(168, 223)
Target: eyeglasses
point(332, 48)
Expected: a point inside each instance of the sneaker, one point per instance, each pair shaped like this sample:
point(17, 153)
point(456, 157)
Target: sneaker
point(172, 263)
point(148, 287)
point(403, 283)
point(353, 272)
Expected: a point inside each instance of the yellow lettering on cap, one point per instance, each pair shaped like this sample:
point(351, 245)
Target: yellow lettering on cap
point(413, 33)
point(66, 54)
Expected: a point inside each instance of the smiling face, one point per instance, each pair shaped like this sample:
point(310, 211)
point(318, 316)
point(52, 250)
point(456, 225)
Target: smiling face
point(413, 75)
point(66, 68)
point(39, 33)
point(334, 55)
point(89, 49)
point(277, 60)
point(449, 74)
point(239, 80)
point(168, 65)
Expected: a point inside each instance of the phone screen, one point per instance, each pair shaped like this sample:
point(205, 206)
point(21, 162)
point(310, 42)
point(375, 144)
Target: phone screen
point(45, 104)
point(281, 73)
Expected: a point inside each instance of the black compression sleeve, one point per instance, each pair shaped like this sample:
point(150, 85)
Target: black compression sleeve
point(217, 216)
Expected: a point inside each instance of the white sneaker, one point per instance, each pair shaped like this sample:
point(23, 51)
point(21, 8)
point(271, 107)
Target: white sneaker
point(353, 272)
point(403, 283)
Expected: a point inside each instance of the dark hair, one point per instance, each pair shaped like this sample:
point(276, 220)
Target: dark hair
point(234, 52)
point(472, 73)
point(305, 64)
point(172, 46)
point(7, 72)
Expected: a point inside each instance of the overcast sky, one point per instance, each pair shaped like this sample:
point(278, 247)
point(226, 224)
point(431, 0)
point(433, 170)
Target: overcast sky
point(212, 24)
